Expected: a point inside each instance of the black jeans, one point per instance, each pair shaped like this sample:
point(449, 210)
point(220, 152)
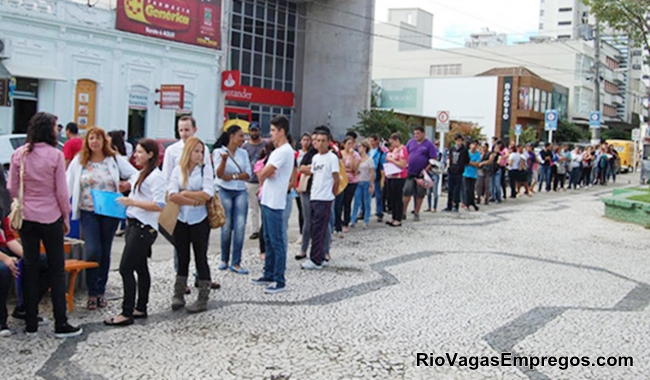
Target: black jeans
point(52, 236)
point(198, 236)
point(395, 199)
point(348, 197)
point(455, 185)
point(301, 217)
point(320, 219)
point(470, 185)
point(137, 249)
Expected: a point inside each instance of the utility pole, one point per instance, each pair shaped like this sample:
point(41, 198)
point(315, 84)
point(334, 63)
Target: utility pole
point(595, 132)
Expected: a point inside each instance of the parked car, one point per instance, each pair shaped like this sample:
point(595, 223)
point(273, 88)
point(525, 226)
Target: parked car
point(9, 143)
point(162, 145)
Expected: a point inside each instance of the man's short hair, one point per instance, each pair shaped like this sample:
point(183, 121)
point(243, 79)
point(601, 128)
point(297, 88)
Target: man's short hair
point(419, 128)
point(458, 136)
point(281, 122)
point(190, 118)
point(72, 128)
point(375, 137)
point(322, 132)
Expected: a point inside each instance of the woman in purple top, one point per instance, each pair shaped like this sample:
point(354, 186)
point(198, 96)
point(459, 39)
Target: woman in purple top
point(45, 218)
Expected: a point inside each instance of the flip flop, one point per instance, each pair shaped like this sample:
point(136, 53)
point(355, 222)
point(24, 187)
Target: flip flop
point(140, 316)
point(111, 322)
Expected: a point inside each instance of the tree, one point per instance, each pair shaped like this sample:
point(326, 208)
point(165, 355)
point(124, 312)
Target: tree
point(383, 123)
point(464, 129)
point(626, 16)
point(528, 135)
point(569, 132)
point(615, 134)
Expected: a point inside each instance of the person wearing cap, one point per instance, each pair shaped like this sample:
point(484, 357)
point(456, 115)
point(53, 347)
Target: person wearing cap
point(254, 148)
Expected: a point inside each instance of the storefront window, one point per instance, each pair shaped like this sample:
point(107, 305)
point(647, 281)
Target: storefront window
point(537, 100)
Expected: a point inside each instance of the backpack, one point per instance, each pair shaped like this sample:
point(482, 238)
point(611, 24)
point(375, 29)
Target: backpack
point(379, 167)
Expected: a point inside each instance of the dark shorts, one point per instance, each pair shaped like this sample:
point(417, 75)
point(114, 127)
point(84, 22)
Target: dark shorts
point(411, 188)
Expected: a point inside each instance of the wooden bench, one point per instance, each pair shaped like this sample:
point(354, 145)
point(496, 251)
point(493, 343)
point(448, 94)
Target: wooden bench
point(73, 266)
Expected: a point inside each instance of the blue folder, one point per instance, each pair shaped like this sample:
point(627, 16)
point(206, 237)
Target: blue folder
point(105, 203)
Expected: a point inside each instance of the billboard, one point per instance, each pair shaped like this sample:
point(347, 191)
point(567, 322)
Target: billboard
point(196, 22)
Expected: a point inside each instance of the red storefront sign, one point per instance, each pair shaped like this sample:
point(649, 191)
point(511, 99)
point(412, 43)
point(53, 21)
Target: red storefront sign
point(233, 90)
point(171, 96)
point(196, 22)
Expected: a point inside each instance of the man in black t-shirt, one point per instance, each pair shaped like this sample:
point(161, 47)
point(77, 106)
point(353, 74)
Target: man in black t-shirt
point(457, 159)
point(546, 156)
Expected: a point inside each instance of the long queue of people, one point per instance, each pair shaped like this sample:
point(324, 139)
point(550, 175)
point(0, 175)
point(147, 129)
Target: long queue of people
point(256, 181)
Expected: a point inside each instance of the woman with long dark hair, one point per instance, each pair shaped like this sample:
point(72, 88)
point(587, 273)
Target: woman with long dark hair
point(144, 205)
point(233, 169)
point(397, 157)
point(351, 160)
point(46, 208)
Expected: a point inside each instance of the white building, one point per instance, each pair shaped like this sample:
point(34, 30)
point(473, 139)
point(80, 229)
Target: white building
point(486, 38)
point(565, 62)
point(68, 59)
point(563, 19)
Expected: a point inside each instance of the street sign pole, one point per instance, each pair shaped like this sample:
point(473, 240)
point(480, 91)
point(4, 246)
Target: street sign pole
point(550, 136)
point(442, 126)
point(442, 157)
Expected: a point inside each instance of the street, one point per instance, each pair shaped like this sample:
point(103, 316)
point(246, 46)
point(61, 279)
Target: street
point(541, 277)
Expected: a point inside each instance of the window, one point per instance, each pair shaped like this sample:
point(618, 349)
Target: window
point(569, 9)
point(445, 70)
point(564, 37)
point(541, 12)
point(563, 23)
point(541, 25)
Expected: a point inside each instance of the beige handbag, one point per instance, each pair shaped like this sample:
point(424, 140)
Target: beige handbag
point(17, 214)
point(303, 183)
point(168, 218)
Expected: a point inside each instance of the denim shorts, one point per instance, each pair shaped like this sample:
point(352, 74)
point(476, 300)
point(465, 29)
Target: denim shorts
point(411, 188)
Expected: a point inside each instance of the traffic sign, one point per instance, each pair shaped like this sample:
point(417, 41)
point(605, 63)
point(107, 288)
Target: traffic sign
point(594, 119)
point(550, 120)
point(636, 134)
point(442, 121)
point(518, 129)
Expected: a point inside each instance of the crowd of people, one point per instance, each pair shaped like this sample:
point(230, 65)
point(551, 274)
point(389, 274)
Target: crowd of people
point(256, 181)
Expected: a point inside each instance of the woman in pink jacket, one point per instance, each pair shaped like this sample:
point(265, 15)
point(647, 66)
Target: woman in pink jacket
point(46, 208)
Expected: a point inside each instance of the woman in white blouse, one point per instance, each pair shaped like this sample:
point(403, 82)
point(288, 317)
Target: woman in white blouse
point(144, 204)
point(97, 167)
point(233, 169)
point(190, 186)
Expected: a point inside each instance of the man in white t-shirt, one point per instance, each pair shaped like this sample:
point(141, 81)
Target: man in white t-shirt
point(186, 129)
point(274, 180)
point(325, 181)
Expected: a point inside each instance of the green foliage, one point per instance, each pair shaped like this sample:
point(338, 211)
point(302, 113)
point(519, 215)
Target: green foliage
point(383, 123)
point(615, 134)
point(626, 16)
point(528, 135)
point(464, 129)
point(569, 132)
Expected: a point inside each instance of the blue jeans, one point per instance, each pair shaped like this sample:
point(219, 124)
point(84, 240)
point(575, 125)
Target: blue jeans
point(379, 202)
point(98, 232)
point(545, 175)
point(361, 196)
point(275, 238)
point(433, 192)
point(495, 186)
point(235, 204)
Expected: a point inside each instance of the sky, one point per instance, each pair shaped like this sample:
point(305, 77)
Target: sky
point(453, 20)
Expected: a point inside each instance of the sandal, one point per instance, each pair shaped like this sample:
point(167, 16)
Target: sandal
point(125, 322)
point(91, 304)
point(101, 302)
point(137, 314)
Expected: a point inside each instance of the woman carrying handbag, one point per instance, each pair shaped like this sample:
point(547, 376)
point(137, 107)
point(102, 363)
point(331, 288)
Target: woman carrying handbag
point(233, 169)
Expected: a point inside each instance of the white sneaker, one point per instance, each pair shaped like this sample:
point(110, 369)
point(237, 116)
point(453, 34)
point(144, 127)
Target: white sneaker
point(5, 332)
point(325, 263)
point(310, 265)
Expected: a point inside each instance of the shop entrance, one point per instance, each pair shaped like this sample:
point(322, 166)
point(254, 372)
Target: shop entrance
point(137, 123)
point(25, 103)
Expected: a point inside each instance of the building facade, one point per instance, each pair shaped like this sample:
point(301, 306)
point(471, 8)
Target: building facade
point(68, 59)
point(306, 59)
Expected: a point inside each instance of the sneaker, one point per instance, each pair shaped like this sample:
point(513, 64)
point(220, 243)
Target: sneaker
point(31, 334)
point(416, 217)
point(22, 315)
point(310, 265)
point(262, 281)
point(241, 270)
point(455, 209)
point(67, 331)
point(325, 263)
point(272, 289)
point(366, 225)
point(223, 266)
point(4, 331)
